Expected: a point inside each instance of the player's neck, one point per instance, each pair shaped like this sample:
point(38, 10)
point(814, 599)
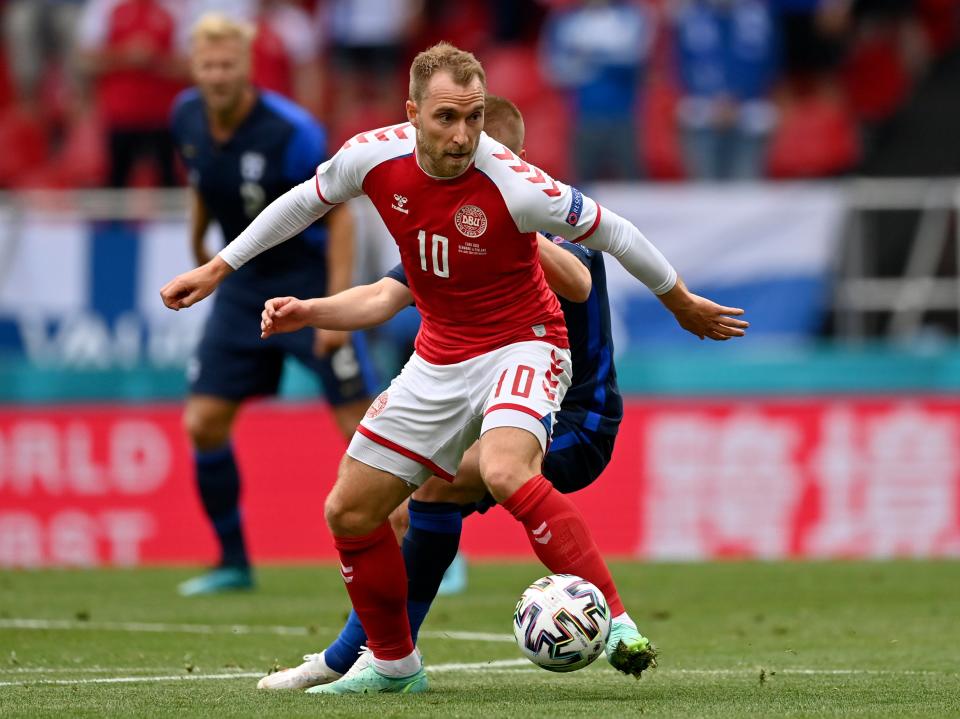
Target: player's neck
point(224, 124)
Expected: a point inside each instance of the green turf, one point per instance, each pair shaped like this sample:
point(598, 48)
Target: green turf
point(735, 640)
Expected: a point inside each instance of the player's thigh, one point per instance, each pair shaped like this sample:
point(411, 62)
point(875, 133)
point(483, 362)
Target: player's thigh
point(231, 361)
point(574, 460)
point(576, 457)
point(420, 425)
point(362, 498)
point(466, 488)
point(509, 456)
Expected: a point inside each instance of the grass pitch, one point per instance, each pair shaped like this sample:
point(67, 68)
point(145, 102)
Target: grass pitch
point(735, 640)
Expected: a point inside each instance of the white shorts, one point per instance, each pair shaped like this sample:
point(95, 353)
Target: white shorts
point(428, 417)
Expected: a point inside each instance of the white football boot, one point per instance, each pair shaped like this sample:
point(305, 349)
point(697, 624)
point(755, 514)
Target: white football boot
point(313, 672)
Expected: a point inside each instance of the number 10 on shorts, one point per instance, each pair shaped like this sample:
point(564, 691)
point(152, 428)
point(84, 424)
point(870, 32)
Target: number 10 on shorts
point(522, 381)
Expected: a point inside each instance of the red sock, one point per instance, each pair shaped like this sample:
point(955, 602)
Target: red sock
point(372, 568)
point(560, 537)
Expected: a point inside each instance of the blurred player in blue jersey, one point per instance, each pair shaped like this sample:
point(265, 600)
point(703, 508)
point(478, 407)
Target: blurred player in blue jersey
point(583, 434)
point(243, 148)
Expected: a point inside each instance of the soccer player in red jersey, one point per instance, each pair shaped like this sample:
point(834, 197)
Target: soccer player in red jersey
point(492, 357)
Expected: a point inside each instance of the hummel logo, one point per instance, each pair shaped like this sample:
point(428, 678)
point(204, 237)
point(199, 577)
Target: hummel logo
point(400, 201)
point(346, 573)
point(542, 534)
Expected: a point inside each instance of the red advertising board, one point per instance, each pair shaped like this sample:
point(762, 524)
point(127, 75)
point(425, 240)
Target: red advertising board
point(85, 486)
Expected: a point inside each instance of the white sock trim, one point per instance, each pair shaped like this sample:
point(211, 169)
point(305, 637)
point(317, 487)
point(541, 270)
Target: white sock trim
point(624, 618)
point(396, 668)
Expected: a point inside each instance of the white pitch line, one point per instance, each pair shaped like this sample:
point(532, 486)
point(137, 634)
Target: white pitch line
point(474, 666)
point(78, 670)
point(503, 666)
point(149, 627)
point(494, 666)
point(803, 671)
point(163, 628)
point(131, 680)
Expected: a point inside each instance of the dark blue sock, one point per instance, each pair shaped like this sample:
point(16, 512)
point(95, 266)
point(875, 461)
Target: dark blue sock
point(429, 547)
point(341, 655)
point(219, 483)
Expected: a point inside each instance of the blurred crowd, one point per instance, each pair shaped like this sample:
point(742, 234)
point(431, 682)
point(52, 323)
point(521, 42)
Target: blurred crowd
point(630, 89)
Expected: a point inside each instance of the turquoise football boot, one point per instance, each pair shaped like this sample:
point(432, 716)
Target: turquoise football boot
point(221, 579)
point(628, 651)
point(364, 679)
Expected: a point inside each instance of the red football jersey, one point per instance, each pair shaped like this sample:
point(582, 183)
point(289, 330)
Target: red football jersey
point(467, 243)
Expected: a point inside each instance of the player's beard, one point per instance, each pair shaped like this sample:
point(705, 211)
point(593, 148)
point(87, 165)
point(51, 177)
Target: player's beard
point(439, 163)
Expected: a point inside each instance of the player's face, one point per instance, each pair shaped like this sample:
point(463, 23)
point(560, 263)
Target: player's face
point(221, 70)
point(449, 120)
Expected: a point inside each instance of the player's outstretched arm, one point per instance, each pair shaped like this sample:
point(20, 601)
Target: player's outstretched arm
point(191, 287)
point(701, 316)
point(566, 275)
point(357, 308)
point(283, 218)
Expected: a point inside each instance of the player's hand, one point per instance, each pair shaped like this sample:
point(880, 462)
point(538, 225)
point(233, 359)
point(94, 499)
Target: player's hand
point(283, 314)
point(703, 317)
point(189, 288)
point(326, 342)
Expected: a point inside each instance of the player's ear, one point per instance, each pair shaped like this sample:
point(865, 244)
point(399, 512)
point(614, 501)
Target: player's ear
point(522, 154)
point(412, 113)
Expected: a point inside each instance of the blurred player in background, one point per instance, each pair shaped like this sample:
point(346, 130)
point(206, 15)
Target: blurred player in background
point(492, 359)
point(243, 147)
point(583, 435)
point(128, 49)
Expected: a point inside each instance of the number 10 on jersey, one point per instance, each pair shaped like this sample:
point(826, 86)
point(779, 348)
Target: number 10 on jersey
point(438, 254)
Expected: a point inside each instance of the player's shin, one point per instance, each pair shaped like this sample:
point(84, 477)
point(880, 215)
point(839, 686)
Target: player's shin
point(560, 536)
point(372, 569)
point(218, 482)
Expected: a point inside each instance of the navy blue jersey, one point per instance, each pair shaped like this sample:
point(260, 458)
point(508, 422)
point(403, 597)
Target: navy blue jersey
point(277, 146)
point(593, 401)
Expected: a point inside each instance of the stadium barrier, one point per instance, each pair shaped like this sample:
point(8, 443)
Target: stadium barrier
point(690, 479)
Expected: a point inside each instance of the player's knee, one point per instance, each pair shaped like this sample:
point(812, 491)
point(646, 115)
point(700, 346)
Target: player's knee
point(503, 479)
point(346, 519)
point(206, 432)
point(400, 521)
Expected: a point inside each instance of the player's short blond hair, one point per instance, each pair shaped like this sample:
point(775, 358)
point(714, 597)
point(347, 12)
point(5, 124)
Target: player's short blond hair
point(503, 122)
point(215, 27)
point(461, 65)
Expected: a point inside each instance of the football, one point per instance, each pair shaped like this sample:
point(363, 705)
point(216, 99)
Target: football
point(561, 622)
